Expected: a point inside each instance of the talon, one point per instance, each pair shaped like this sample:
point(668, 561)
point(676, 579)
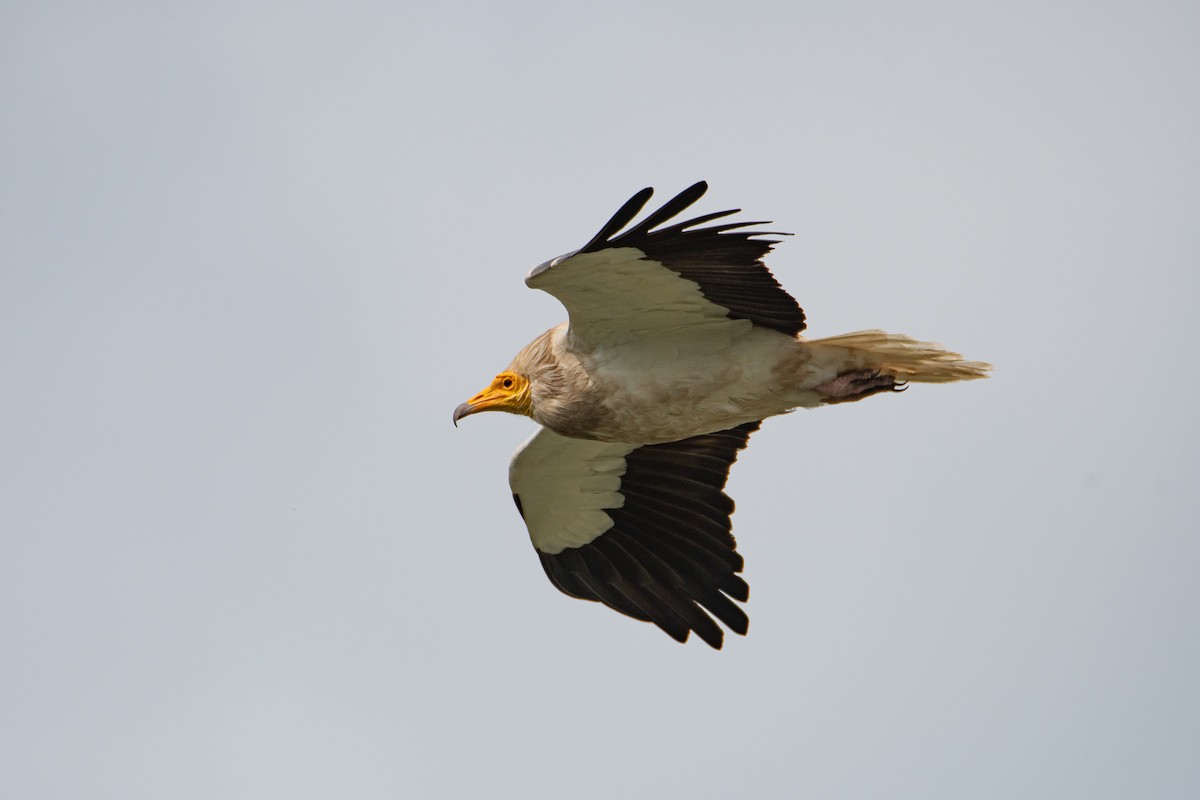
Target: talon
point(851, 386)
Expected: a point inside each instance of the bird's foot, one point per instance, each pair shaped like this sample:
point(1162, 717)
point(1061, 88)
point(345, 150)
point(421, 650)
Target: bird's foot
point(851, 386)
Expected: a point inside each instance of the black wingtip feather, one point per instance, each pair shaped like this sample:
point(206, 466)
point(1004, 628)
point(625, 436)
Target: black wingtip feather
point(669, 557)
point(689, 250)
point(619, 220)
point(671, 208)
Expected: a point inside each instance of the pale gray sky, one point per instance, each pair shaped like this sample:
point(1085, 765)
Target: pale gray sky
point(254, 254)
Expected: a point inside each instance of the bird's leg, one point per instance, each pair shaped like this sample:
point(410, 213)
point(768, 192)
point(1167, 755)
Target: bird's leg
point(851, 386)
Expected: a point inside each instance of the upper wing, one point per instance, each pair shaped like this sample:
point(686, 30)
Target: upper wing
point(643, 529)
point(623, 285)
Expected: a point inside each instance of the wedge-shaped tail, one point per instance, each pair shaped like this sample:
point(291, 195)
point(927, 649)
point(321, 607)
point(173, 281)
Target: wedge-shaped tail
point(903, 357)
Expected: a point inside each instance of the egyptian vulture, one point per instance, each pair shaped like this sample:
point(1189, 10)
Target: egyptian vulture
point(679, 343)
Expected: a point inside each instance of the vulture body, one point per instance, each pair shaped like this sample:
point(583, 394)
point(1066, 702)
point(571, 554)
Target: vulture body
point(679, 342)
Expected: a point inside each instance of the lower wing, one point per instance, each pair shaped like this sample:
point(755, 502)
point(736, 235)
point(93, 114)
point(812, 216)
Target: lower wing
point(643, 529)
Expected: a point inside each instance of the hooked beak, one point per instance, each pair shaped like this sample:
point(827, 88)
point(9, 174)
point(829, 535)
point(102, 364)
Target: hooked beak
point(464, 410)
point(487, 400)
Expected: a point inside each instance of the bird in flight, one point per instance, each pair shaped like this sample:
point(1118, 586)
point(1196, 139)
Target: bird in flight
point(679, 343)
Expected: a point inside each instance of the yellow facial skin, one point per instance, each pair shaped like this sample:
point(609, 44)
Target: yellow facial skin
point(508, 391)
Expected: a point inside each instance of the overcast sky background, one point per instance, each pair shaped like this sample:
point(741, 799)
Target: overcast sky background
point(254, 254)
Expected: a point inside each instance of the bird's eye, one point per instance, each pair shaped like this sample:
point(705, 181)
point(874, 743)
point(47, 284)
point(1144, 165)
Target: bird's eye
point(507, 383)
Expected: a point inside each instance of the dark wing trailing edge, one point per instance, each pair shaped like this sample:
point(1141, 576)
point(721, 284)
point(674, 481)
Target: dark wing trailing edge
point(725, 261)
point(669, 555)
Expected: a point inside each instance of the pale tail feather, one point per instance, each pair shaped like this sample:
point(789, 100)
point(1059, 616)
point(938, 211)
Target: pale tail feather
point(904, 357)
